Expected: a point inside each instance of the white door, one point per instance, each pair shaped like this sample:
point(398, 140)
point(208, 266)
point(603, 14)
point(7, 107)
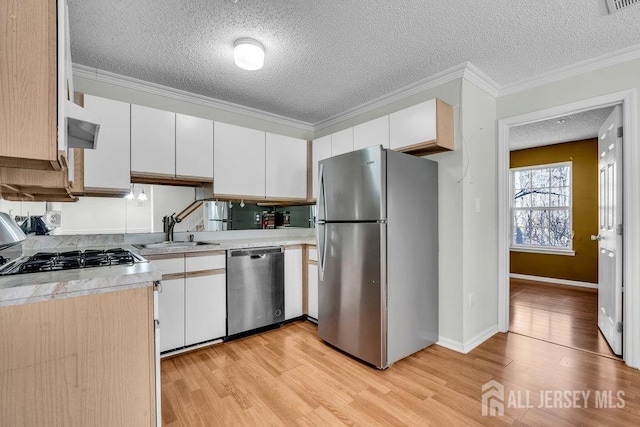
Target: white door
point(610, 230)
point(286, 167)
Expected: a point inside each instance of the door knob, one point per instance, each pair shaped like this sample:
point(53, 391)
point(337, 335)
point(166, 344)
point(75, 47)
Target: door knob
point(598, 237)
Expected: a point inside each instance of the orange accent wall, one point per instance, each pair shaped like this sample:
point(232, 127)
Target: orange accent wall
point(582, 267)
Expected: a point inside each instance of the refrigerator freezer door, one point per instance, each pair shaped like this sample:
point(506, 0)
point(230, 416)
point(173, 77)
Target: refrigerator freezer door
point(350, 308)
point(352, 186)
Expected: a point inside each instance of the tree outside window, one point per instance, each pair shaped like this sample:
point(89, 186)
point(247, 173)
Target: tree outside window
point(541, 206)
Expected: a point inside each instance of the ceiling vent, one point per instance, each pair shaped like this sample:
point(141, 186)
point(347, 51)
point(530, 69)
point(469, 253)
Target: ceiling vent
point(618, 5)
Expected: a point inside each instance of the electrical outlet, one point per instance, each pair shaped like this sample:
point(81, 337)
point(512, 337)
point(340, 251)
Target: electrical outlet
point(472, 300)
point(476, 205)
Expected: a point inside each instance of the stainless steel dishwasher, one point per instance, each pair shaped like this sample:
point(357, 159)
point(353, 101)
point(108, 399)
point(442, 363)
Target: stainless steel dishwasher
point(255, 288)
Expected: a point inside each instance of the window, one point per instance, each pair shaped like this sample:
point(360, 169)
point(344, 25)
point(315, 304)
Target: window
point(541, 208)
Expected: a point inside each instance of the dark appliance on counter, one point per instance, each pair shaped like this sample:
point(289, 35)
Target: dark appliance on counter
point(283, 219)
point(268, 220)
point(57, 261)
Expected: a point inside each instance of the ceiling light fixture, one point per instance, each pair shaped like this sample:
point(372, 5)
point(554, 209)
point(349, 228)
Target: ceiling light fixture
point(142, 197)
point(562, 121)
point(248, 54)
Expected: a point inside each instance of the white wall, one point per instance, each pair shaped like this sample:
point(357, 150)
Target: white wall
point(168, 200)
point(480, 226)
point(105, 215)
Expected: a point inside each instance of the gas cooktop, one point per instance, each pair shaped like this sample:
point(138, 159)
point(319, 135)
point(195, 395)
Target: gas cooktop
point(57, 261)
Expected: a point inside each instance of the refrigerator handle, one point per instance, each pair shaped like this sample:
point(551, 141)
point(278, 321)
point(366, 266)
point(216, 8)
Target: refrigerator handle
point(322, 200)
point(322, 249)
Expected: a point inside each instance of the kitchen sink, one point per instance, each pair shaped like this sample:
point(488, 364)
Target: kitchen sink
point(161, 245)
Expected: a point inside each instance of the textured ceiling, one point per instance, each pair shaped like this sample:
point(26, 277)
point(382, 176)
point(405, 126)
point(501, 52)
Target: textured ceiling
point(576, 127)
point(326, 57)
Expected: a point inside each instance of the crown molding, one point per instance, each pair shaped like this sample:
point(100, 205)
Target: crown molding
point(481, 80)
point(91, 73)
point(607, 60)
point(438, 79)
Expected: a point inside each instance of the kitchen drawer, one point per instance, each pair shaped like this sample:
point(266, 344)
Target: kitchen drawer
point(200, 262)
point(313, 253)
point(169, 265)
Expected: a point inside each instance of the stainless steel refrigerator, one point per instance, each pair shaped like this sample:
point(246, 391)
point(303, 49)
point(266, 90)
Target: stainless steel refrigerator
point(216, 216)
point(377, 234)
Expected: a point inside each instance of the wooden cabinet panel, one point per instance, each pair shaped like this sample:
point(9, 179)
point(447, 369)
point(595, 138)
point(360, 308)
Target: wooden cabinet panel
point(28, 82)
point(171, 314)
point(342, 142)
point(79, 361)
point(205, 308)
point(286, 167)
point(313, 291)
point(107, 168)
point(423, 128)
point(153, 134)
point(194, 147)
point(239, 161)
point(292, 283)
point(371, 133)
point(321, 149)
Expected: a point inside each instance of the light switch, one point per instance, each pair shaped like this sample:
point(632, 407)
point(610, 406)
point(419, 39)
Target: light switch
point(476, 205)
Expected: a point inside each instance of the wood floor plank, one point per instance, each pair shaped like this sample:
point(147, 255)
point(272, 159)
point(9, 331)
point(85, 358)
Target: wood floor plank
point(565, 315)
point(288, 376)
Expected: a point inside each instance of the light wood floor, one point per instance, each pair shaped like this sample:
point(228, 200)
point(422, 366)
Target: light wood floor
point(565, 315)
point(290, 377)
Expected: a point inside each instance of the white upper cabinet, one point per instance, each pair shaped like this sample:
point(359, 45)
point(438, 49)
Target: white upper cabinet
point(413, 125)
point(153, 147)
point(239, 161)
point(371, 133)
point(106, 169)
point(194, 147)
point(321, 149)
point(342, 142)
point(422, 129)
point(286, 167)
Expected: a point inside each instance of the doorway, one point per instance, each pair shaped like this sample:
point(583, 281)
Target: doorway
point(627, 100)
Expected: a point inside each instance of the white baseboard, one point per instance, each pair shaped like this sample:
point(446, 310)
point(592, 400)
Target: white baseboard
point(469, 345)
point(480, 338)
point(553, 280)
point(451, 344)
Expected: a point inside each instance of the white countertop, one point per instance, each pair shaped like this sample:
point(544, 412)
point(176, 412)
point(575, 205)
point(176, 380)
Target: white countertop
point(33, 287)
point(25, 288)
point(223, 245)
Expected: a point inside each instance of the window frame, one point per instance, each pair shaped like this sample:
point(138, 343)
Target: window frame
point(555, 250)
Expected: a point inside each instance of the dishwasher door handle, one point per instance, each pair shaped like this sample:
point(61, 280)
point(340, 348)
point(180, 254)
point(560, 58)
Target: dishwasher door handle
point(257, 256)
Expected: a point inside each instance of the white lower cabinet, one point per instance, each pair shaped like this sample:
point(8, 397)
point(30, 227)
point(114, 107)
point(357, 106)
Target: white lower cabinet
point(205, 308)
point(192, 307)
point(171, 314)
point(313, 291)
point(292, 283)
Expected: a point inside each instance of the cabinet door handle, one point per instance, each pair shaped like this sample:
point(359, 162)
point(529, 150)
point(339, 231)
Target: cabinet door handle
point(157, 286)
